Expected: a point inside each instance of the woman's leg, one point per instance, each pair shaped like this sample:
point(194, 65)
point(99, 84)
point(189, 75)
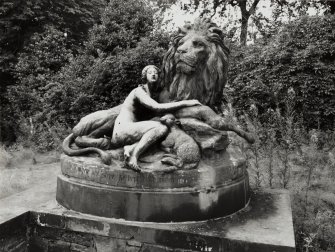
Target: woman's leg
point(145, 133)
point(128, 150)
point(149, 138)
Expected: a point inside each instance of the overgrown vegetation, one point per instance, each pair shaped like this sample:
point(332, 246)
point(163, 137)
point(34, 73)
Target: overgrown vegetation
point(57, 83)
point(58, 64)
point(20, 23)
point(300, 56)
point(287, 155)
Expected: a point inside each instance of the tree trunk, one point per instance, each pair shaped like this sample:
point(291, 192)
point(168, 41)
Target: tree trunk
point(244, 22)
point(244, 30)
point(245, 14)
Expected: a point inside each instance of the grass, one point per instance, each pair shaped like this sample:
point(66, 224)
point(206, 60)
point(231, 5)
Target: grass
point(14, 180)
point(20, 169)
point(5, 158)
point(312, 188)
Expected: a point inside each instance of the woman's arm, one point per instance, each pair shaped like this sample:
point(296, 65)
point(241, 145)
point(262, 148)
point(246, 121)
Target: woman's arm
point(150, 103)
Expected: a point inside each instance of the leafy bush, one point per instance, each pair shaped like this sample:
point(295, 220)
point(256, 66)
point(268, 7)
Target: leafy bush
point(123, 24)
point(19, 21)
point(109, 66)
point(301, 56)
point(78, 90)
point(41, 59)
point(56, 88)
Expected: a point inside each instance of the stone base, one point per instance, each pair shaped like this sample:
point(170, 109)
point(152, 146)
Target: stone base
point(265, 225)
point(177, 204)
point(218, 187)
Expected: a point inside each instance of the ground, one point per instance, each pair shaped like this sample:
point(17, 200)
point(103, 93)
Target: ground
point(311, 183)
point(20, 170)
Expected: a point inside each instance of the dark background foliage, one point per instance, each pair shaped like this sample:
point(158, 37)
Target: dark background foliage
point(61, 61)
point(301, 56)
point(59, 74)
point(19, 22)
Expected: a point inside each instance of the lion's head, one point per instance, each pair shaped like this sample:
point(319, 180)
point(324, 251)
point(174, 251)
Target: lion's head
point(195, 67)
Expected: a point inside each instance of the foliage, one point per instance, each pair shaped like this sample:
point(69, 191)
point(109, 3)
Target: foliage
point(44, 56)
point(110, 65)
point(301, 57)
point(80, 89)
point(19, 21)
point(285, 155)
point(57, 87)
point(123, 24)
point(313, 199)
point(4, 157)
point(245, 8)
point(37, 64)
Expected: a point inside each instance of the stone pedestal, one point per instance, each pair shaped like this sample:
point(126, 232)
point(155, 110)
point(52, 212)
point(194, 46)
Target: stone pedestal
point(217, 188)
point(264, 226)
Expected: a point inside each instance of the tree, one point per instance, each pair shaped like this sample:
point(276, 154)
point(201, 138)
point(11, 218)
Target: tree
point(330, 5)
point(41, 59)
point(107, 68)
point(122, 25)
point(251, 13)
point(301, 56)
point(245, 14)
point(211, 7)
point(19, 20)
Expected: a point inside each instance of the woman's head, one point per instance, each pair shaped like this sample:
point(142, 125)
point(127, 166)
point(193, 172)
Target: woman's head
point(150, 73)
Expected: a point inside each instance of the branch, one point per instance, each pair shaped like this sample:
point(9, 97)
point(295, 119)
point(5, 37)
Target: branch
point(225, 2)
point(243, 6)
point(213, 13)
point(253, 7)
point(281, 2)
point(217, 4)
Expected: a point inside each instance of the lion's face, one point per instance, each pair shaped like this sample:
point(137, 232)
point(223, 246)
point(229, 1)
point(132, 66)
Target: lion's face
point(196, 65)
point(192, 53)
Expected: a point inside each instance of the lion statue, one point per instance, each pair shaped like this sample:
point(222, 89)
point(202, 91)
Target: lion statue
point(196, 65)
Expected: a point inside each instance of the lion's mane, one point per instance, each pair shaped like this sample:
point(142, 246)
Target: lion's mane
point(205, 85)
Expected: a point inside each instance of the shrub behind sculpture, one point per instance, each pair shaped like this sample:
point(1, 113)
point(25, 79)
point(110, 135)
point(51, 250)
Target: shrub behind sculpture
point(301, 56)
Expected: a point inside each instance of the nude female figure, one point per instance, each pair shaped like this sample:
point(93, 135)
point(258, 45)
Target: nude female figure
point(133, 128)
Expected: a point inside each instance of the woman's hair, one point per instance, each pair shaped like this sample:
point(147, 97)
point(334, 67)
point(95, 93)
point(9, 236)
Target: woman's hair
point(145, 70)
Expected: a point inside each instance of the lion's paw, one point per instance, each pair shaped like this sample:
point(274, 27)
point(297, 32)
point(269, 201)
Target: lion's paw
point(172, 160)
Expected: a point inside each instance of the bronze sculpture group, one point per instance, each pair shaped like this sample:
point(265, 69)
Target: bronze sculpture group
point(194, 73)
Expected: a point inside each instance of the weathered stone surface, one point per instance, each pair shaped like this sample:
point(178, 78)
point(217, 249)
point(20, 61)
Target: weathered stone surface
point(164, 205)
point(13, 234)
point(218, 187)
point(208, 138)
point(264, 226)
point(102, 120)
point(220, 168)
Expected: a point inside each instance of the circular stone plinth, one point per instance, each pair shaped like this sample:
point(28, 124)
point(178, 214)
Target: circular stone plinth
point(218, 187)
